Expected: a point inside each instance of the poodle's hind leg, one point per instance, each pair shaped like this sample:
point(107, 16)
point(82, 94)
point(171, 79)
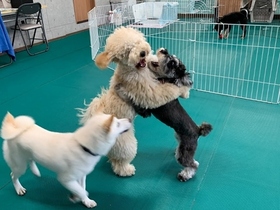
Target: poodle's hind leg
point(122, 153)
point(188, 172)
point(123, 167)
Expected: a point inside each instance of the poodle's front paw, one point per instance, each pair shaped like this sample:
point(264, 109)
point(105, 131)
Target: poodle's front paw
point(125, 170)
point(89, 203)
point(185, 92)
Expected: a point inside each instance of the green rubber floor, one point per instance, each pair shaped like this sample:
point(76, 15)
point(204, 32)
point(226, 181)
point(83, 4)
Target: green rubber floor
point(238, 160)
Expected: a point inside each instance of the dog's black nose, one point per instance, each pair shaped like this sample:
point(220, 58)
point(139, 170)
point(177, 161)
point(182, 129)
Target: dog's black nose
point(142, 54)
point(164, 51)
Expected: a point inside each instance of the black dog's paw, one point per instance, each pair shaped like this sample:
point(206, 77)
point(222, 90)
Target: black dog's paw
point(142, 111)
point(181, 178)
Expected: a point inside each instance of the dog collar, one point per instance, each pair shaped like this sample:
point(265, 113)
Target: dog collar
point(88, 151)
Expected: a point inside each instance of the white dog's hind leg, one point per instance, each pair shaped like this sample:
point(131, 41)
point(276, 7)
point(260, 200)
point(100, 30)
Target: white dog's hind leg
point(34, 168)
point(76, 189)
point(17, 165)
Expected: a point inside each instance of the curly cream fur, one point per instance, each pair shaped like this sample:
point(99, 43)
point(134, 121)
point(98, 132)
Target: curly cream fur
point(127, 47)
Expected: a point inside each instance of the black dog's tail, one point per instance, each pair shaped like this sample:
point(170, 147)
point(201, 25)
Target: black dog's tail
point(205, 129)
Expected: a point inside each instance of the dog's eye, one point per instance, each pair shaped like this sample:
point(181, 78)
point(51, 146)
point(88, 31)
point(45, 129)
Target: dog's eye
point(142, 54)
point(171, 64)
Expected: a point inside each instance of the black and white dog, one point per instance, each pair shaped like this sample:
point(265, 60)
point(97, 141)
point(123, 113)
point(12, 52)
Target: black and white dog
point(225, 23)
point(170, 69)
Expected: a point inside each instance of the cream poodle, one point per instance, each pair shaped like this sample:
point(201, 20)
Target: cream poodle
point(128, 48)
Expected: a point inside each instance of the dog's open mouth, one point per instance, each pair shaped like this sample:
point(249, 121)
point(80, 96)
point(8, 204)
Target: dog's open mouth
point(141, 64)
point(124, 131)
point(154, 64)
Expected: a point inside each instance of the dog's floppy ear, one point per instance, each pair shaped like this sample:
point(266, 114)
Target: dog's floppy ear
point(102, 60)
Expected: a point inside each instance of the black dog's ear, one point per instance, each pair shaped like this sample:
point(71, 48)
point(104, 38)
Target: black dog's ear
point(164, 51)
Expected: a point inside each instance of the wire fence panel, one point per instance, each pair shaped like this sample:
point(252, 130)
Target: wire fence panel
point(244, 68)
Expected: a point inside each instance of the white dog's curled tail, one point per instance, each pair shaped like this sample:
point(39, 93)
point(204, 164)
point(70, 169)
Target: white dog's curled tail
point(12, 127)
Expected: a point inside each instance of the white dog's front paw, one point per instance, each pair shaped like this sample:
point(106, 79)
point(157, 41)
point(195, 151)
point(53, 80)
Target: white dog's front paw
point(18, 187)
point(89, 203)
point(21, 190)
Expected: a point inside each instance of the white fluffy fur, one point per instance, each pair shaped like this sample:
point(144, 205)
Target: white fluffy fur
point(25, 142)
point(125, 47)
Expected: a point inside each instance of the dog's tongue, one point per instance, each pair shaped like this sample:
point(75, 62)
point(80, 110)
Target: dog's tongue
point(141, 64)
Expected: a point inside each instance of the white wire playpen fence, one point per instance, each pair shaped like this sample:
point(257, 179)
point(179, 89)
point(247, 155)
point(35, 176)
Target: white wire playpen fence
point(244, 68)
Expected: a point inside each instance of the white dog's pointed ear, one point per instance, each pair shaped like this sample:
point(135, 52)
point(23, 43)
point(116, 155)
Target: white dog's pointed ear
point(108, 123)
point(102, 60)
point(9, 118)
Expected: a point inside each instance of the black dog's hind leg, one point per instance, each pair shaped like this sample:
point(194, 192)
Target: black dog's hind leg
point(186, 149)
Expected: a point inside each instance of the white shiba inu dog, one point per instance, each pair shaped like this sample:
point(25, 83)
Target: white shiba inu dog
point(71, 155)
